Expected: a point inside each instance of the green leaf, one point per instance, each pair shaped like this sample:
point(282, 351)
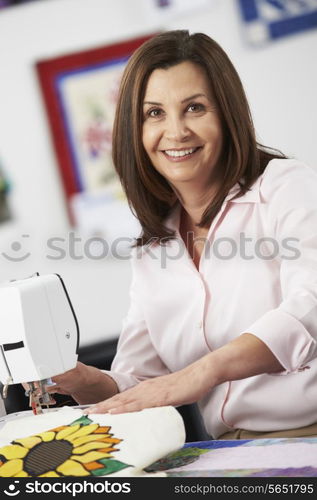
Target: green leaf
point(110, 467)
point(177, 458)
point(82, 421)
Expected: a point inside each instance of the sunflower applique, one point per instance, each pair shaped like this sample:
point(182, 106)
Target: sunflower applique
point(81, 448)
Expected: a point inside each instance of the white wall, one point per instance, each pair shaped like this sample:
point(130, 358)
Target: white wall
point(280, 80)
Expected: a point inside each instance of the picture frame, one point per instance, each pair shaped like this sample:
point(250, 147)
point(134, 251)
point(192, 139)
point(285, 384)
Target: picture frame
point(79, 92)
point(266, 21)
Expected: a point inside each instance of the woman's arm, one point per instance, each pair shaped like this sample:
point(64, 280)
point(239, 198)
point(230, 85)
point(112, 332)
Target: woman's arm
point(243, 357)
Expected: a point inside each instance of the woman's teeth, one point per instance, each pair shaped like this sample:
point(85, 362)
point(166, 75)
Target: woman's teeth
point(176, 154)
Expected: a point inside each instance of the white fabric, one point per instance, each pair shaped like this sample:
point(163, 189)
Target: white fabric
point(146, 435)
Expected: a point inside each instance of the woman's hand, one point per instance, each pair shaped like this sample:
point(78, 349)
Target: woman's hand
point(182, 387)
point(71, 381)
point(86, 384)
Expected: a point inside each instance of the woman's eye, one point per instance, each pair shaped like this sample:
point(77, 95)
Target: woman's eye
point(154, 113)
point(195, 107)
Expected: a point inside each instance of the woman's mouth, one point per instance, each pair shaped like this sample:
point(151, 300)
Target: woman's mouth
point(180, 154)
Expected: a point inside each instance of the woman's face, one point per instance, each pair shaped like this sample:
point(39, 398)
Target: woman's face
point(182, 133)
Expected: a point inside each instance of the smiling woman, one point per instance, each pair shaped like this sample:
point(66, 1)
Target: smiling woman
point(182, 133)
point(172, 72)
point(207, 326)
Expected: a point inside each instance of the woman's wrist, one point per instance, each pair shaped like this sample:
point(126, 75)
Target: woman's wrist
point(213, 369)
point(93, 386)
point(204, 374)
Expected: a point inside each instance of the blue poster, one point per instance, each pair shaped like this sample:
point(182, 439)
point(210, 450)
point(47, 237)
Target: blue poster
point(268, 20)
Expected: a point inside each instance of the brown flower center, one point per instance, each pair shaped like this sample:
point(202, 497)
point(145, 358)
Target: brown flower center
point(46, 457)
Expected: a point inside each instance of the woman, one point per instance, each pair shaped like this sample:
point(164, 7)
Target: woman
point(223, 297)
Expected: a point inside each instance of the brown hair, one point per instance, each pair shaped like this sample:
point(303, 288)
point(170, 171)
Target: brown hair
point(243, 159)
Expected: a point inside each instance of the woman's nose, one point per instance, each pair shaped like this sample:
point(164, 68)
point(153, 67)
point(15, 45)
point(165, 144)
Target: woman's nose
point(176, 129)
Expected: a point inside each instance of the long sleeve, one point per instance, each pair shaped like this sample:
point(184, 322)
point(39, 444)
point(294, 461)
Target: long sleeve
point(290, 330)
point(136, 358)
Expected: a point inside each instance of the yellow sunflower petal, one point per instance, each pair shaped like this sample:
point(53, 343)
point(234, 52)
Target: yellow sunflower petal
point(47, 436)
point(90, 437)
point(60, 428)
point(64, 433)
point(21, 474)
point(68, 432)
point(83, 431)
point(95, 445)
point(90, 457)
point(13, 451)
point(28, 442)
point(112, 440)
point(72, 468)
point(51, 473)
point(11, 468)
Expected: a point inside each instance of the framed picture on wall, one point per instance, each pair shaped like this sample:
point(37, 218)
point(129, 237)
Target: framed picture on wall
point(80, 93)
point(270, 20)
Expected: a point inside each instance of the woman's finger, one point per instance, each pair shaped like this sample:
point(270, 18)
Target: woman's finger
point(127, 408)
point(103, 406)
point(51, 388)
point(106, 408)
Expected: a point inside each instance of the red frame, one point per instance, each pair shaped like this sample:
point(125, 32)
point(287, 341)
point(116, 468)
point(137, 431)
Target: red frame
point(48, 71)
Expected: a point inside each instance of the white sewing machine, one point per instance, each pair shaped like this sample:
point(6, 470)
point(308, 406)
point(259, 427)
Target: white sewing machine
point(39, 335)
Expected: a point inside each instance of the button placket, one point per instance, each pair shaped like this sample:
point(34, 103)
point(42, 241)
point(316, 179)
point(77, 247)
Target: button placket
point(211, 231)
point(200, 323)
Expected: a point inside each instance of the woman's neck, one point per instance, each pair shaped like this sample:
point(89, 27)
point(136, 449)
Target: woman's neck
point(195, 201)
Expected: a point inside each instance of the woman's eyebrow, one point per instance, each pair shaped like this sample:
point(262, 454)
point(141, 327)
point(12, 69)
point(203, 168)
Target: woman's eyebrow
point(194, 96)
point(152, 102)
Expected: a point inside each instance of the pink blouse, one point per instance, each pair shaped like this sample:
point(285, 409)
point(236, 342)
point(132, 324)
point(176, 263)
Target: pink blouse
point(257, 274)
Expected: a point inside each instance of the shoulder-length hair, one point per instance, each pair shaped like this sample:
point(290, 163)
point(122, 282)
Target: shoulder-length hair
point(150, 196)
